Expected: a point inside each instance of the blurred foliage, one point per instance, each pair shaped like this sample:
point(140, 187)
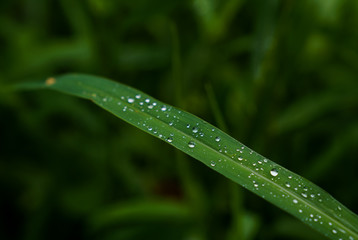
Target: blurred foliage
point(280, 76)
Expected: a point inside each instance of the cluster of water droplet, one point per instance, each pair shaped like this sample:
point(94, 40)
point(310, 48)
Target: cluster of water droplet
point(260, 171)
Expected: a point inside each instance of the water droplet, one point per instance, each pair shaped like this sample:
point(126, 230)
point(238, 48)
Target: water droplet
point(191, 144)
point(169, 139)
point(295, 201)
point(212, 163)
point(130, 100)
point(288, 184)
point(300, 210)
point(217, 139)
point(104, 99)
point(334, 231)
point(274, 172)
point(137, 96)
point(164, 108)
point(240, 158)
point(188, 126)
point(195, 129)
point(170, 123)
point(147, 100)
point(304, 195)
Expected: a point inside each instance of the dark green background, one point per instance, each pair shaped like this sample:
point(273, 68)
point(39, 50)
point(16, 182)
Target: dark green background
point(285, 78)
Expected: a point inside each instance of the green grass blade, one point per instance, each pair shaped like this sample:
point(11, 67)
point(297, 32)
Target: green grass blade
point(217, 150)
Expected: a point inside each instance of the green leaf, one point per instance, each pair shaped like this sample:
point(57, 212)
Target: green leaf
point(217, 150)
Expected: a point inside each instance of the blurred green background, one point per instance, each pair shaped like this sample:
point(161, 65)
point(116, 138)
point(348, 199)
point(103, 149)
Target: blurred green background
point(279, 76)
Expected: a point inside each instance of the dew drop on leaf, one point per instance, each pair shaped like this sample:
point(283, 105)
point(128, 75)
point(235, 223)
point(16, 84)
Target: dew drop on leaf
point(164, 108)
point(294, 201)
point(137, 96)
point(217, 139)
point(169, 139)
point(191, 144)
point(274, 172)
point(130, 100)
point(195, 129)
point(212, 163)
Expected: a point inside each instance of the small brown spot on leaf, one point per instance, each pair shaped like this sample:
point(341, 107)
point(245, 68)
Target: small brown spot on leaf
point(50, 81)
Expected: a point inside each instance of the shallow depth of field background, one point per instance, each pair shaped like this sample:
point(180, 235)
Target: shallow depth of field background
point(285, 78)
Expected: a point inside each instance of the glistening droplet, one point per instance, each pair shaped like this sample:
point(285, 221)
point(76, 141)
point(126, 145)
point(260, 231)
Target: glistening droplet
point(191, 144)
point(274, 172)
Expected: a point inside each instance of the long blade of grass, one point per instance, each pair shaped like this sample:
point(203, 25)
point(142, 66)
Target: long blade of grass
point(285, 189)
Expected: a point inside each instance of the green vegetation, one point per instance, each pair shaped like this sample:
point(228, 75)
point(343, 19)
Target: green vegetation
point(278, 76)
point(215, 149)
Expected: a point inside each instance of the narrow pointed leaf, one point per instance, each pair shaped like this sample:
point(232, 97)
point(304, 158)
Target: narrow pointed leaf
point(283, 188)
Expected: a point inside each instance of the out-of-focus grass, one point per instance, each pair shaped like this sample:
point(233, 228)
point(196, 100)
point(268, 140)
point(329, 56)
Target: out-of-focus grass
point(264, 62)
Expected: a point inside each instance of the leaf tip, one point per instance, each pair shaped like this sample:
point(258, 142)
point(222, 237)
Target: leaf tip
point(50, 81)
